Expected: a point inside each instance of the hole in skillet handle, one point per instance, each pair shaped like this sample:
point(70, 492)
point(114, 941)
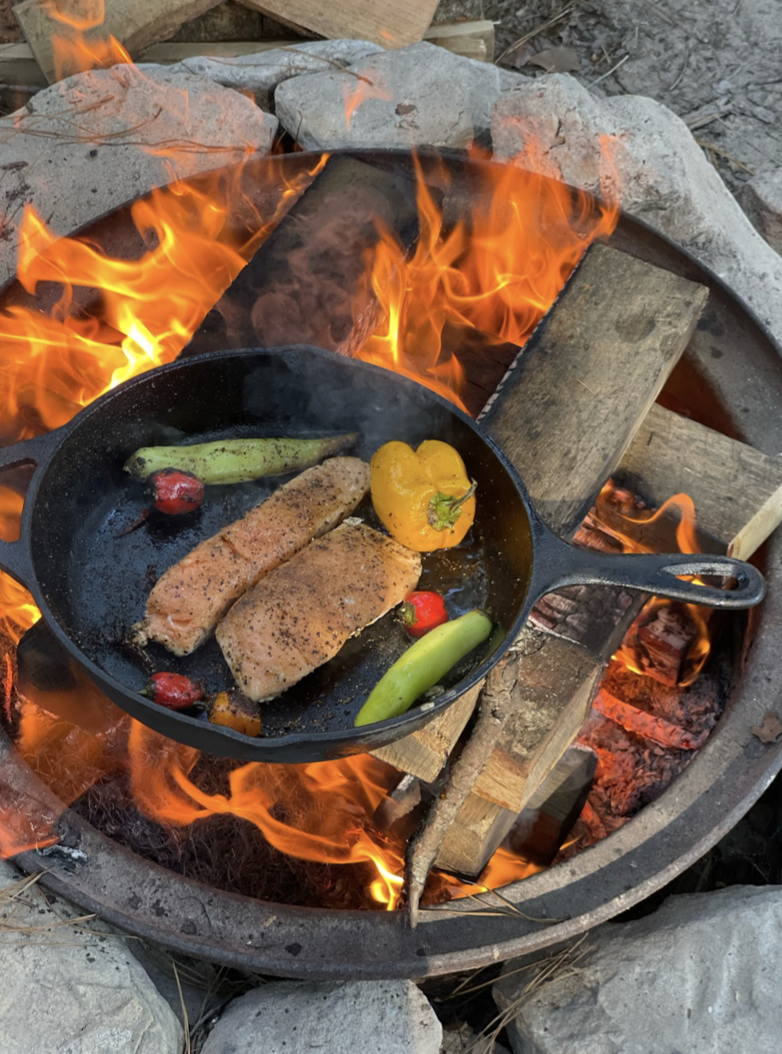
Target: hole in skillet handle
point(559, 564)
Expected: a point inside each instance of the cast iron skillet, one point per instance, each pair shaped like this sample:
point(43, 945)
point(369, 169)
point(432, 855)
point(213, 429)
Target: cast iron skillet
point(90, 577)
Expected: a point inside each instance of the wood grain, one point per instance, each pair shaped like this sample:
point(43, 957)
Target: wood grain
point(135, 23)
point(737, 491)
point(569, 406)
point(390, 25)
point(423, 753)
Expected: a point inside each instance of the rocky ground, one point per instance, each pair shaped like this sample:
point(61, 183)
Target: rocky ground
point(715, 63)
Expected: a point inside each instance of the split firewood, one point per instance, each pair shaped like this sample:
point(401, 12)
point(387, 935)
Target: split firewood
point(639, 722)
point(494, 709)
point(307, 282)
point(134, 23)
point(564, 415)
point(392, 26)
point(474, 40)
point(736, 490)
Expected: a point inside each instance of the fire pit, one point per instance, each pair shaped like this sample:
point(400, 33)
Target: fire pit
point(730, 379)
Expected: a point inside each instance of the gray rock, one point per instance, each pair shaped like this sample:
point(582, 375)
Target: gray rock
point(383, 1017)
point(417, 96)
point(70, 989)
point(81, 148)
point(261, 73)
point(761, 199)
point(700, 975)
point(657, 171)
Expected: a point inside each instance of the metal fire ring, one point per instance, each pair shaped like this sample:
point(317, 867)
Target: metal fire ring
point(734, 369)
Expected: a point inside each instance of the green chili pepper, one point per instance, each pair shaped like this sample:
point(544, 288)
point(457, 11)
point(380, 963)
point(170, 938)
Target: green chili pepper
point(237, 460)
point(423, 664)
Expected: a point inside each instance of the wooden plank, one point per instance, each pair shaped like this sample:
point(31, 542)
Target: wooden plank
point(556, 682)
point(549, 413)
point(135, 23)
point(424, 753)
point(390, 25)
point(473, 40)
point(565, 414)
point(588, 376)
point(737, 491)
point(306, 283)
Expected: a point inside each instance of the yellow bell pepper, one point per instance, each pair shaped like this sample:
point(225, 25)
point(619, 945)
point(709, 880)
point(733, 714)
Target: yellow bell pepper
point(423, 497)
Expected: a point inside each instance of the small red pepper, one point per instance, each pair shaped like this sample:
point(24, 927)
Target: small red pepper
point(422, 611)
point(173, 690)
point(175, 492)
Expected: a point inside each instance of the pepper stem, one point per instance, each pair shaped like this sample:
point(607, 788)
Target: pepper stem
point(445, 509)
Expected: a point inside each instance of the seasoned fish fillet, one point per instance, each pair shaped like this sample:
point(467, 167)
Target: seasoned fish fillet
point(299, 616)
point(190, 598)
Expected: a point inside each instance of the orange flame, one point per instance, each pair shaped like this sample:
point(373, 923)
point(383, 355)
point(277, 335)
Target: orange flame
point(327, 804)
point(495, 272)
point(687, 541)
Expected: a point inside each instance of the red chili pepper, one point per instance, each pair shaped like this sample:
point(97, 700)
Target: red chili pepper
point(175, 492)
point(423, 611)
point(173, 690)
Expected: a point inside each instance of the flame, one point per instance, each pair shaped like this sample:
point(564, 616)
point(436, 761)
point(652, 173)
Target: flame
point(495, 273)
point(687, 541)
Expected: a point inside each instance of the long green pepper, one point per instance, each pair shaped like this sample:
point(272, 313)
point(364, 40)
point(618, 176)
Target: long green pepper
point(238, 460)
point(424, 664)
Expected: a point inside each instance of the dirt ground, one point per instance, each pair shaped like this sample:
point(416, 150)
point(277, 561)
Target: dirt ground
point(715, 63)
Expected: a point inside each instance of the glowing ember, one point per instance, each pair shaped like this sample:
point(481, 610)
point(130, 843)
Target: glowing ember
point(687, 541)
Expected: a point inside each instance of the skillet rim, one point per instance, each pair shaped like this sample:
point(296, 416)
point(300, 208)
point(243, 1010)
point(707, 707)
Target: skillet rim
point(336, 743)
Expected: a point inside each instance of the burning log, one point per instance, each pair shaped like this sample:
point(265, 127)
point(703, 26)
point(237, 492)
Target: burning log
point(660, 731)
point(736, 490)
point(307, 284)
point(565, 420)
point(660, 642)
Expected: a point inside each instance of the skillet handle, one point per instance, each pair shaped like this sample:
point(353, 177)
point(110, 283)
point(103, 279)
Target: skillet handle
point(566, 565)
point(15, 557)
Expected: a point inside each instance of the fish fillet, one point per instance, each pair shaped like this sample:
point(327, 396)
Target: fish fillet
point(300, 615)
point(190, 598)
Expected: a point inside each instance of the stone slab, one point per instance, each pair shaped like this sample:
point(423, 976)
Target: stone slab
point(69, 988)
point(651, 164)
point(421, 95)
point(262, 72)
point(381, 1017)
point(95, 141)
point(700, 975)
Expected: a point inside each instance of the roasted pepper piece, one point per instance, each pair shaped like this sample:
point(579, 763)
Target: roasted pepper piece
point(423, 664)
point(423, 497)
point(236, 711)
point(173, 690)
